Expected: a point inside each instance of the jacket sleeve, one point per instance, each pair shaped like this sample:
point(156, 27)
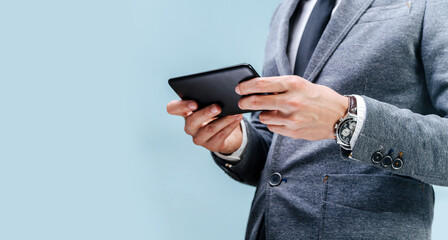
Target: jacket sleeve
point(423, 139)
point(253, 159)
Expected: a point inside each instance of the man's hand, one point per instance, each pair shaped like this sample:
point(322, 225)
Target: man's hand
point(222, 135)
point(294, 107)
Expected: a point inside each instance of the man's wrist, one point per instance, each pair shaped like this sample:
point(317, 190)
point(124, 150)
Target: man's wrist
point(342, 106)
point(237, 155)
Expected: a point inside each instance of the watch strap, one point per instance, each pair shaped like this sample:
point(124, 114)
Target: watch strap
point(352, 106)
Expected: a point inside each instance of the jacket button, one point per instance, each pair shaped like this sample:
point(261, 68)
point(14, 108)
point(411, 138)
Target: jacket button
point(275, 179)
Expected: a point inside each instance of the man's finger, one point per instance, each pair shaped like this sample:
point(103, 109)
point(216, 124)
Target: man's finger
point(262, 85)
point(209, 130)
point(217, 142)
point(261, 102)
point(196, 120)
point(181, 107)
point(279, 129)
point(274, 118)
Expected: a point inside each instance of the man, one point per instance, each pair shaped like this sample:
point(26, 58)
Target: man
point(381, 66)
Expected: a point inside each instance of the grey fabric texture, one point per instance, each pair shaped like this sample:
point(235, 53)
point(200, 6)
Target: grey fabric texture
point(394, 53)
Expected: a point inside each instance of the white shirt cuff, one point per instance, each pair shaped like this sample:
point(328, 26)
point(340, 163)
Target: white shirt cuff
point(361, 117)
point(236, 156)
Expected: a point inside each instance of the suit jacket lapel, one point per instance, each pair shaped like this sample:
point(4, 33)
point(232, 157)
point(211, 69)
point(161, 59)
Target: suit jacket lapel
point(347, 14)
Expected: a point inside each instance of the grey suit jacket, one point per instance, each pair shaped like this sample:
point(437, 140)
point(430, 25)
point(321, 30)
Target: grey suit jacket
point(394, 53)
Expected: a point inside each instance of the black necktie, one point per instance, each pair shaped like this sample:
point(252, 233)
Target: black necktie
point(313, 30)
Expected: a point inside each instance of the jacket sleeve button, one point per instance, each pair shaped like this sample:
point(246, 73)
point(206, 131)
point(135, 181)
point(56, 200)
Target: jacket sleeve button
point(386, 161)
point(376, 157)
point(397, 163)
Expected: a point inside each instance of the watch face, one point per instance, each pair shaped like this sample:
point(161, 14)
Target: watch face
point(346, 130)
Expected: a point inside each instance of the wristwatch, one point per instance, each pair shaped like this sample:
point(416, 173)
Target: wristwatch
point(345, 127)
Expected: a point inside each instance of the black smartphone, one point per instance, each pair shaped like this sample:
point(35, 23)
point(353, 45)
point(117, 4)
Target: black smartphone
point(217, 86)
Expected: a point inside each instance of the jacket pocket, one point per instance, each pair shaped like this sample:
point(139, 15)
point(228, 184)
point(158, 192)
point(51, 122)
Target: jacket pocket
point(375, 207)
point(395, 9)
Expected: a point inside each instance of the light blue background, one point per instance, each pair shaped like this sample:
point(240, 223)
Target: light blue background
point(87, 150)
